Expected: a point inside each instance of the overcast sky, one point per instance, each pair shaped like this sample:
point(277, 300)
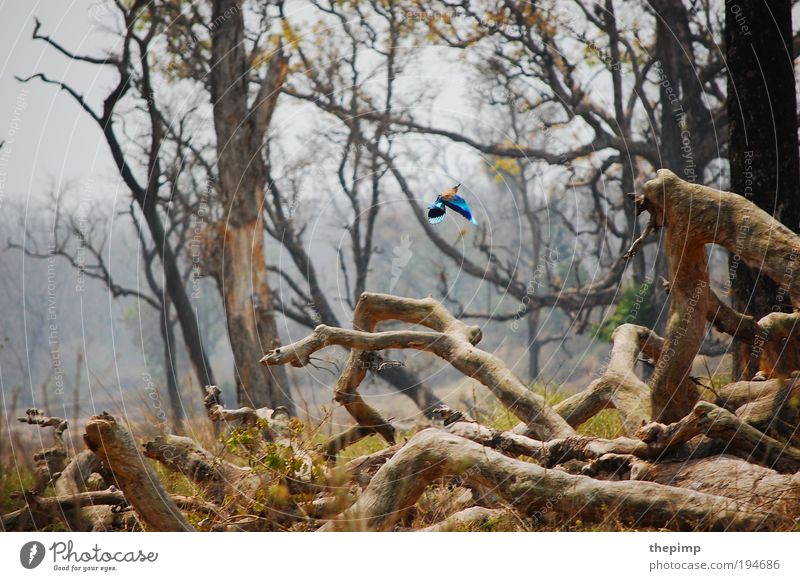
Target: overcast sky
point(48, 138)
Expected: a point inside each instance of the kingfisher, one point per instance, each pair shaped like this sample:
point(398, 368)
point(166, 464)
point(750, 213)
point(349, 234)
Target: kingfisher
point(449, 199)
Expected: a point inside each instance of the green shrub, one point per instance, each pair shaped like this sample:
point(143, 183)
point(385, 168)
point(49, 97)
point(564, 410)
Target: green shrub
point(635, 306)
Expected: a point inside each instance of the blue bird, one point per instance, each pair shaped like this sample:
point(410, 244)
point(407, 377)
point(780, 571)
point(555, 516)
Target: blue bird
point(449, 199)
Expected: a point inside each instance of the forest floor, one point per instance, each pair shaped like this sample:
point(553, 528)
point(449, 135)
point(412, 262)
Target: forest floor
point(17, 469)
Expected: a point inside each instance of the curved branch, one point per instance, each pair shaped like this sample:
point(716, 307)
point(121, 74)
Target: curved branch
point(453, 341)
point(67, 53)
point(533, 491)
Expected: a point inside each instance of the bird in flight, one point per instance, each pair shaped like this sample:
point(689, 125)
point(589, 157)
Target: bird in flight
point(449, 199)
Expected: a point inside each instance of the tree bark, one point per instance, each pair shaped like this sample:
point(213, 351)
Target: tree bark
point(741, 439)
point(176, 289)
point(242, 275)
point(618, 387)
point(116, 448)
point(474, 518)
point(217, 477)
point(763, 145)
point(534, 347)
point(451, 339)
point(538, 493)
point(727, 476)
point(694, 216)
point(170, 366)
point(670, 60)
point(74, 481)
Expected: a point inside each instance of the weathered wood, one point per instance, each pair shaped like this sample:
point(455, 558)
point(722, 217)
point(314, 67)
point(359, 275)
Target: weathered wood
point(729, 220)
point(531, 489)
point(734, 395)
point(328, 506)
point(74, 480)
point(45, 510)
point(450, 340)
point(506, 442)
point(114, 445)
point(276, 420)
point(742, 439)
point(769, 406)
point(776, 349)
point(695, 215)
point(217, 477)
point(347, 438)
point(729, 321)
point(196, 504)
point(36, 417)
point(769, 345)
point(475, 518)
point(242, 174)
point(618, 387)
point(49, 461)
point(727, 476)
point(557, 451)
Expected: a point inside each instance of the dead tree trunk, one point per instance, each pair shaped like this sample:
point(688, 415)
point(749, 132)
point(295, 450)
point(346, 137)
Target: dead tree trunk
point(640, 480)
point(132, 71)
point(762, 146)
point(618, 387)
point(171, 367)
point(241, 129)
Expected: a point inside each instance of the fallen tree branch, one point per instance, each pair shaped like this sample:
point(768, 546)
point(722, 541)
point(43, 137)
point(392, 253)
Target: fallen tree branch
point(741, 439)
point(49, 461)
point(776, 413)
point(51, 509)
point(218, 478)
point(361, 470)
point(74, 480)
point(475, 518)
point(36, 417)
point(618, 387)
point(693, 216)
point(276, 420)
point(451, 340)
point(729, 321)
point(347, 438)
point(774, 346)
point(727, 476)
point(558, 451)
point(532, 490)
point(116, 448)
point(734, 395)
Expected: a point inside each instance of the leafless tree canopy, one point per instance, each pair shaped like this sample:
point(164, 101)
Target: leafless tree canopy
point(278, 162)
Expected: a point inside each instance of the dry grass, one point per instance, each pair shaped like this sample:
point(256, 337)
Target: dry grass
point(437, 503)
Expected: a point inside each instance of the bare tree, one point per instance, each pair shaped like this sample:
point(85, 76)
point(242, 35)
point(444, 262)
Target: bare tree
point(671, 468)
point(132, 64)
point(534, 75)
point(242, 123)
point(746, 427)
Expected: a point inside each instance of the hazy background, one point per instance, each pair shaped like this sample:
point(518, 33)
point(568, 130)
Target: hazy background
point(66, 341)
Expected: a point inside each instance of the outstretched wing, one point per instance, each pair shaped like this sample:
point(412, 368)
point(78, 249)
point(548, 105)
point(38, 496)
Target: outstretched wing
point(459, 204)
point(436, 212)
